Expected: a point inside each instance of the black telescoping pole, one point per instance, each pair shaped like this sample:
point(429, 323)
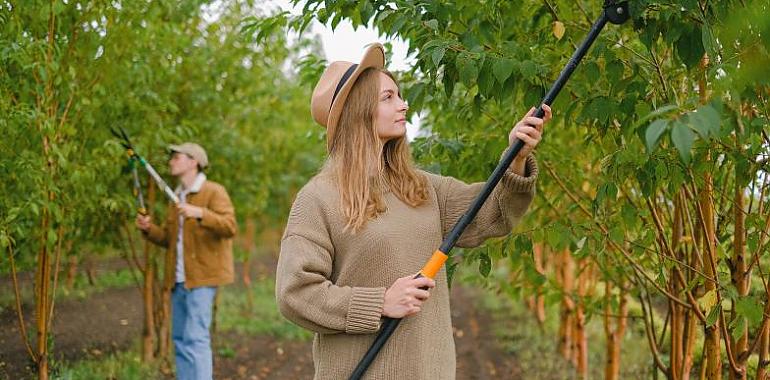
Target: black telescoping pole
point(616, 13)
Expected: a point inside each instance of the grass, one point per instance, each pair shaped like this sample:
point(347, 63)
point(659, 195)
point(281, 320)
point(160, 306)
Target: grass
point(258, 317)
point(126, 365)
point(535, 346)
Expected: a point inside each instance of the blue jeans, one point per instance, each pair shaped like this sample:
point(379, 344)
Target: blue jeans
point(191, 319)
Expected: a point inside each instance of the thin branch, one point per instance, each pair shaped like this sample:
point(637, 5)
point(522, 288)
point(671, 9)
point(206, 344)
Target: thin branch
point(648, 331)
point(59, 236)
point(620, 249)
point(583, 10)
point(711, 262)
point(665, 325)
point(19, 310)
point(658, 70)
point(728, 344)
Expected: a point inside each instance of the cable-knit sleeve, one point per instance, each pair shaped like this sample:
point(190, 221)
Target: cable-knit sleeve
point(304, 291)
point(500, 213)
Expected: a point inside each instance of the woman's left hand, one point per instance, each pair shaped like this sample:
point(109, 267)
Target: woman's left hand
point(529, 130)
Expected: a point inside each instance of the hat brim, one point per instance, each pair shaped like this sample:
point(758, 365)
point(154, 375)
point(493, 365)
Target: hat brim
point(374, 57)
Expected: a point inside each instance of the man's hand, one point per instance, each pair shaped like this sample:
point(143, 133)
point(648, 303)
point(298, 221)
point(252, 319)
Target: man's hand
point(143, 222)
point(189, 211)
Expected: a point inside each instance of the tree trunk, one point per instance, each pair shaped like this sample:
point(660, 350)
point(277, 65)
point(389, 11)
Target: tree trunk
point(148, 330)
point(683, 320)
point(580, 339)
point(712, 341)
point(740, 278)
point(249, 247)
point(72, 271)
point(565, 276)
point(536, 302)
point(164, 327)
point(41, 301)
point(764, 352)
point(676, 288)
point(614, 336)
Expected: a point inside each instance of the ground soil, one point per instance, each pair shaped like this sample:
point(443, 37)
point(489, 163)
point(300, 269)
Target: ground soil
point(110, 321)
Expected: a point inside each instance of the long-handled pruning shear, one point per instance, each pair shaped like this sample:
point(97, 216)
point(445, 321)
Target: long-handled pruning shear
point(135, 158)
point(615, 12)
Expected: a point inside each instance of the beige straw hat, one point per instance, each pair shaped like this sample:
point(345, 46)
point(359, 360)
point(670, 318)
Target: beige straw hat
point(334, 85)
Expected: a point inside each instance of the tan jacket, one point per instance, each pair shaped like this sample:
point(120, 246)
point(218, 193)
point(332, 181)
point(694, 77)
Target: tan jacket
point(208, 243)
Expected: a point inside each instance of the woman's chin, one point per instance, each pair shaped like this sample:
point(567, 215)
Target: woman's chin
point(398, 131)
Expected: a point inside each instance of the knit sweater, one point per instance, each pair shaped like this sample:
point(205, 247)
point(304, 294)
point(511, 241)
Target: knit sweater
point(333, 282)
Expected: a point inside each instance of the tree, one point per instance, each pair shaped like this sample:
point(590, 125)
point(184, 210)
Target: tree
point(654, 168)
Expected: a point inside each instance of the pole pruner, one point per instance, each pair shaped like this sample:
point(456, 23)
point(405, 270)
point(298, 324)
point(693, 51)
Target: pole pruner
point(615, 12)
point(135, 159)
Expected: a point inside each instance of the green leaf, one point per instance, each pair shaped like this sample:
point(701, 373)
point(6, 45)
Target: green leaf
point(365, 11)
point(502, 68)
point(437, 55)
point(629, 214)
point(58, 7)
point(708, 301)
point(486, 80)
point(737, 327)
point(713, 316)
point(689, 47)
point(614, 71)
point(523, 244)
point(433, 24)
point(707, 39)
point(657, 112)
point(705, 120)
point(749, 308)
point(485, 264)
point(682, 137)
point(654, 131)
point(552, 237)
point(451, 268)
point(591, 70)
point(617, 235)
point(467, 69)
point(528, 69)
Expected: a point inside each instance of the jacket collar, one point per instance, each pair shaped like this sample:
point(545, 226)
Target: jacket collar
point(196, 186)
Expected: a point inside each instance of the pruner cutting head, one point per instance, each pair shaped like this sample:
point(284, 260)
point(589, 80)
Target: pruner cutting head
point(120, 134)
point(616, 11)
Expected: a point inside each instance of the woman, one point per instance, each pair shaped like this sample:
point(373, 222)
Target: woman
point(360, 229)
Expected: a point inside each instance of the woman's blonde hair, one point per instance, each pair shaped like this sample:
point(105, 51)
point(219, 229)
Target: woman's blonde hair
point(364, 167)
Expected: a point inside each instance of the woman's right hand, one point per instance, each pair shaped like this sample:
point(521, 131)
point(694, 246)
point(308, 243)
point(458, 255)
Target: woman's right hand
point(143, 222)
point(405, 297)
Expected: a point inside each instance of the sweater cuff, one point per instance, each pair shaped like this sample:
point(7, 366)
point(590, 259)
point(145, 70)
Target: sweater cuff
point(365, 310)
point(522, 184)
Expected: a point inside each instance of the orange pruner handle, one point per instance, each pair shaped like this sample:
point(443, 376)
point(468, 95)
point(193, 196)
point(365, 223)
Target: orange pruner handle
point(434, 265)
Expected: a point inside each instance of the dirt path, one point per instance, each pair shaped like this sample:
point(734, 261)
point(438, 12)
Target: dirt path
point(111, 321)
point(478, 355)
